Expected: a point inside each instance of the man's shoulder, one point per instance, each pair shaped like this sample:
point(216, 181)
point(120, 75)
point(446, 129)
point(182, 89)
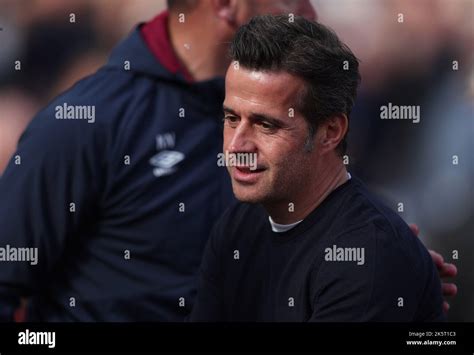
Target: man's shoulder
point(367, 220)
point(97, 107)
point(379, 252)
point(94, 99)
point(363, 209)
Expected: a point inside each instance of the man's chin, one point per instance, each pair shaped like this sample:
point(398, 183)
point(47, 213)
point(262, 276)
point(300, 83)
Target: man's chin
point(248, 194)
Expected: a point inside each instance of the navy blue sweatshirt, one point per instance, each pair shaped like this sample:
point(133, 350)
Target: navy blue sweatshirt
point(351, 259)
point(116, 185)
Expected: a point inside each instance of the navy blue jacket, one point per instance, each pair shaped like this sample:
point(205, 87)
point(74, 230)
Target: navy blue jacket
point(119, 206)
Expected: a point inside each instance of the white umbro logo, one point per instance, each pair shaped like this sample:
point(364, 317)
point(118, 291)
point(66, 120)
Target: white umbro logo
point(165, 162)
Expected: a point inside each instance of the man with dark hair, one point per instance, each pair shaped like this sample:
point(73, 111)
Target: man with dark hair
point(307, 242)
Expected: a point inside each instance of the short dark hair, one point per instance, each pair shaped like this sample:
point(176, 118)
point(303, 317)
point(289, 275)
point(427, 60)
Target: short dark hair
point(308, 50)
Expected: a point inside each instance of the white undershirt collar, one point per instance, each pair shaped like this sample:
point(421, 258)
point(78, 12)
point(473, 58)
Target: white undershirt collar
point(280, 228)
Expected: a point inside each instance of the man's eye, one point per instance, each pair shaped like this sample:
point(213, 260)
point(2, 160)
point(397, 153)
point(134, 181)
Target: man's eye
point(232, 120)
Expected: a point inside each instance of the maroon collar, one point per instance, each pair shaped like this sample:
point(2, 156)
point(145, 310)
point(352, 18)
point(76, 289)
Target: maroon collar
point(156, 35)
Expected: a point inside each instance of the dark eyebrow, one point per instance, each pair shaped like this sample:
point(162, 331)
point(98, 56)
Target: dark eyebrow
point(228, 109)
point(258, 117)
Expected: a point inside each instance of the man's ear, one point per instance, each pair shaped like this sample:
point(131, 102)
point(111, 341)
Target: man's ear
point(226, 10)
point(331, 132)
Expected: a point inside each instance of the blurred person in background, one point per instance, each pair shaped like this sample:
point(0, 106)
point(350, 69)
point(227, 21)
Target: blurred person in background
point(113, 207)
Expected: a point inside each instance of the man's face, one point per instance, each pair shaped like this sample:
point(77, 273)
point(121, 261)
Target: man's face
point(261, 118)
point(253, 8)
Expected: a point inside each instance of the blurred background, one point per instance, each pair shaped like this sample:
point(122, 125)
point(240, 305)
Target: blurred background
point(425, 171)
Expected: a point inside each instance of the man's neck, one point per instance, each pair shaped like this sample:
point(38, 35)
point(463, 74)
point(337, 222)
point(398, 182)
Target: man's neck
point(202, 58)
point(309, 198)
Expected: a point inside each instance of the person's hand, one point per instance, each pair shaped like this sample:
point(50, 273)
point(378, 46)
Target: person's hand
point(445, 270)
